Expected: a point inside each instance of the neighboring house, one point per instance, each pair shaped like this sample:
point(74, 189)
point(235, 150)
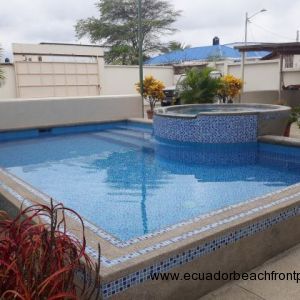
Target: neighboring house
point(215, 52)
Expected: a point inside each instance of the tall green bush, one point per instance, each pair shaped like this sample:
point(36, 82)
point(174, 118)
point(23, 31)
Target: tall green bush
point(198, 86)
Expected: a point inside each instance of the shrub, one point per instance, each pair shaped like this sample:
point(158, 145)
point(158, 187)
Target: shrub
point(39, 259)
point(152, 90)
point(198, 86)
point(295, 116)
point(230, 87)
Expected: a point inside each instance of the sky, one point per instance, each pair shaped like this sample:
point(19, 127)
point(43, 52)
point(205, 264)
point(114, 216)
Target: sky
point(34, 21)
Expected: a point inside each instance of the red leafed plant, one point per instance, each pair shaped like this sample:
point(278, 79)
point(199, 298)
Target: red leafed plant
point(39, 259)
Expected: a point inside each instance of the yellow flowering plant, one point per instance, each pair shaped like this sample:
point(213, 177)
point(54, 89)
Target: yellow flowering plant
point(230, 88)
point(152, 90)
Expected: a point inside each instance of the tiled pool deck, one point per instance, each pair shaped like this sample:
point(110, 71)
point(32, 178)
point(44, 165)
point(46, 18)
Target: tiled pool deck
point(243, 228)
point(287, 261)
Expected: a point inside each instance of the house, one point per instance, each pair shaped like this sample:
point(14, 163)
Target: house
point(215, 52)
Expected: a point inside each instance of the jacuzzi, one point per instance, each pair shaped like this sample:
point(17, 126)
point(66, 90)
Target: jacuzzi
point(219, 123)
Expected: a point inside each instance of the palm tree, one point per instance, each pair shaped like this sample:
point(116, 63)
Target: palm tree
point(199, 86)
point(174, 46)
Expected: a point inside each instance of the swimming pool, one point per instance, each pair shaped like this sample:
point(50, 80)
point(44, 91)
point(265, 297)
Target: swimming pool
point(121, 179)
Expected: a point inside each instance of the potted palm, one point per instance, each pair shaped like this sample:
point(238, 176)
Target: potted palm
point(152, 92)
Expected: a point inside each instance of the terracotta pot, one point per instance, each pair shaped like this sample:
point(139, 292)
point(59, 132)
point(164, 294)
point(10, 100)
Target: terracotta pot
point(287, 130)
point(150, 114)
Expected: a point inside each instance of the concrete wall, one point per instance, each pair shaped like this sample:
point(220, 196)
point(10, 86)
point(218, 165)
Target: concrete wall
point(291, 98)
point(261, 75)
point(121, 79)
point(72, 79)
point(265, 97)
point(35, 113)
point(55, 70)
point(57, 79)
point(31, 50)
point(8, 86)
point(262, 81)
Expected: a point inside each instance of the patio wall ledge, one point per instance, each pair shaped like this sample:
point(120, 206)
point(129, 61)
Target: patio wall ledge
point(281, 140)
point(46, 112)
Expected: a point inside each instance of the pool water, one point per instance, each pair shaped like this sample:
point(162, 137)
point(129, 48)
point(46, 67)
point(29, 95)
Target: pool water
point(122, 180)
point(195, 110)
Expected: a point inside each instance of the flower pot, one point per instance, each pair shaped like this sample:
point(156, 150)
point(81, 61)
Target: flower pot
point(150, 114)
point(287, 130)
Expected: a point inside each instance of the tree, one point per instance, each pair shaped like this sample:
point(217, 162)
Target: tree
point(174, 46)
point(117, 27)
point(198, 86)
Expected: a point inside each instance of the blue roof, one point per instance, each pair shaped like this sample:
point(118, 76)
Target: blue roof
point(202, 53)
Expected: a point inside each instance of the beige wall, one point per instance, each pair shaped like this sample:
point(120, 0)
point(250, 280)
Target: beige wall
point(73, 71)
point(8, 86)
point(261, 75)
point(56, 70)
point(56, 49)
point(121, 79)
point(56, 79)
point(35, 113)
point(264, 97)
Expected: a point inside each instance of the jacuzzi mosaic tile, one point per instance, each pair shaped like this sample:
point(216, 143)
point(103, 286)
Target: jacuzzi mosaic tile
point(207, 129)
point(209, 154)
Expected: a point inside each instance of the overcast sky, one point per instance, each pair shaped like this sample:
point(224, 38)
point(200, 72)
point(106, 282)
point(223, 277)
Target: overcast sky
point(34, 21)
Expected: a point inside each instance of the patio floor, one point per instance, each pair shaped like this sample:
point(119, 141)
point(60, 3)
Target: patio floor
point(288, 261)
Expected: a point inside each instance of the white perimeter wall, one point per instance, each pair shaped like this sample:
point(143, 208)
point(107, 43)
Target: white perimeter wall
point(261, 75)
point(121, 79)
point(118, 80)
point(35, 113)
point(58, 79)
point(8, 85)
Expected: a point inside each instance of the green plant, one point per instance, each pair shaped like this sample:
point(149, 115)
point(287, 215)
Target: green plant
point(174, 46)
point(294, 116)
point(39, 259)
point(198, 86)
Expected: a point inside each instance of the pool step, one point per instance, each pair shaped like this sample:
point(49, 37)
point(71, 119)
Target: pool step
point(122, 138)
point(132, 134)
point(135, 128)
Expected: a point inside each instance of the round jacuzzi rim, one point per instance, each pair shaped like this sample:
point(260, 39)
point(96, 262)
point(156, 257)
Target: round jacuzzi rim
point(165, 111)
